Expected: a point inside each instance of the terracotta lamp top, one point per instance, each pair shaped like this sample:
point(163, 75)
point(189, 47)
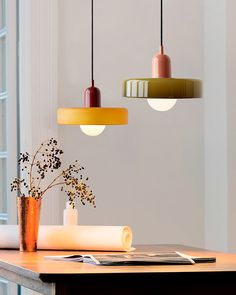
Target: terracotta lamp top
point(161, 65)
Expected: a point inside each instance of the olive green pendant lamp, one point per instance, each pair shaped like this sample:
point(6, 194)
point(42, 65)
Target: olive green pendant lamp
point(162, 91)
point(92, 118)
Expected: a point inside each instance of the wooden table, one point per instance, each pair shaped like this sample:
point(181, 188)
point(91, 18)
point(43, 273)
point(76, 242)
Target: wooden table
point(55, 277)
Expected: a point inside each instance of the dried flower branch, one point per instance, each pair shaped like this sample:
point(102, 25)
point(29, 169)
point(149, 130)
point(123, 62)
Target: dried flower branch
point(47, 159)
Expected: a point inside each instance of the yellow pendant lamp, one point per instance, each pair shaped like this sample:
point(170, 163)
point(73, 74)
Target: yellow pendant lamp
point(162, 91)
point(92, 118)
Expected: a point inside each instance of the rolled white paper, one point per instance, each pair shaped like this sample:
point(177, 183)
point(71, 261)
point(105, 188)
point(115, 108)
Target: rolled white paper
point(9, 236)
point(56, 237)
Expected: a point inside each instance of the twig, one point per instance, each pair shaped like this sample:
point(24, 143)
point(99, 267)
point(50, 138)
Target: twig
point(32, 163)
point(56, 178)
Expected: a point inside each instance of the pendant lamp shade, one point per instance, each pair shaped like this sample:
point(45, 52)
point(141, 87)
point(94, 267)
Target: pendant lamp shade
point(92, 118)
point(161, 90)
point(165, 88)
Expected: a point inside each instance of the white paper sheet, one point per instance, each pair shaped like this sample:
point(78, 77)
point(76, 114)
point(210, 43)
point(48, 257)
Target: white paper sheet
point(56, 237)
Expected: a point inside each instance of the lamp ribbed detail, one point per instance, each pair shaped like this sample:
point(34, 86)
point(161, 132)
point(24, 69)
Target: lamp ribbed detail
point(162, 88)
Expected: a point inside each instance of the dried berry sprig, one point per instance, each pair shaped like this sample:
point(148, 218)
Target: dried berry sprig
point(47, 159)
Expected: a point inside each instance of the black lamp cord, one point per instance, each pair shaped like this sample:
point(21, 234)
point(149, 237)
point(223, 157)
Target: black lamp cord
point(92, 57)
point(161, 26)
point(92, 74)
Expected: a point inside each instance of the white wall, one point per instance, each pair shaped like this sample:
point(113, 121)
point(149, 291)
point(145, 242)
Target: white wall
point(171, 176)
point(231, 121)
point(38, 83)
point(220, 132)
point(215, 106)
point(149, 174)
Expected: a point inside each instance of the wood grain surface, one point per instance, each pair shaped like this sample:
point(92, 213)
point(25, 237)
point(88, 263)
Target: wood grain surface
point(67, 277)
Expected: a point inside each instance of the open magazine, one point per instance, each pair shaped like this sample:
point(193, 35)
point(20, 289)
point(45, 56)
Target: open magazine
point(142, 258)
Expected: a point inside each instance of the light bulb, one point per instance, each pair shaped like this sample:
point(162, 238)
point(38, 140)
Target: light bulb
point(161, 105)
point(92, 130)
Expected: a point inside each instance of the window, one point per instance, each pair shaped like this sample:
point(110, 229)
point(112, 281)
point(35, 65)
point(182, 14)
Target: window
point(4, 287)
point(3, 99)
point(8, 110)
point(8, 115)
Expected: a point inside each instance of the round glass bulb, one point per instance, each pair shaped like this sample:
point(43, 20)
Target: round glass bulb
point(161, 105)
point(92, 130)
